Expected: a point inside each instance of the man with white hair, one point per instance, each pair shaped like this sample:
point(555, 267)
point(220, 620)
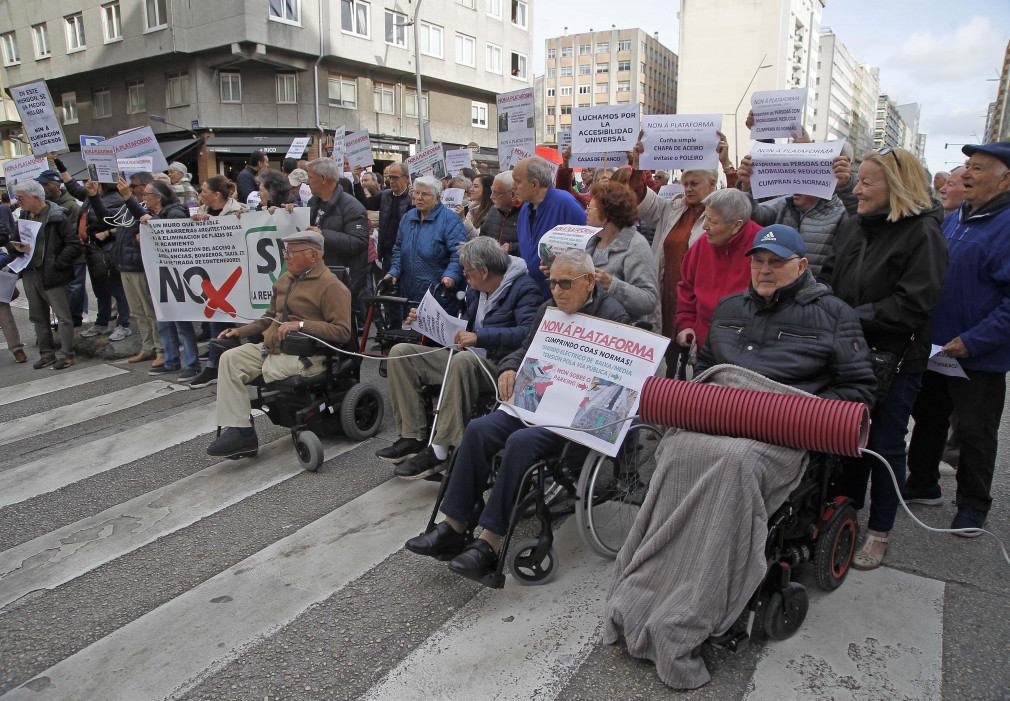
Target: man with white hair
point(501, 220)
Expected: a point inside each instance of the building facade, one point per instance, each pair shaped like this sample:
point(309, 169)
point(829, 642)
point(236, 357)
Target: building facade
point(845, 96)
point(231, 76)
point(610, 67)
point(724, 44)
point(889, 129)
point(997, 125)
point(864, 115)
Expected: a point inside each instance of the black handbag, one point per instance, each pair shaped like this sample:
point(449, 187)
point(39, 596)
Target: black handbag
point(885, 366)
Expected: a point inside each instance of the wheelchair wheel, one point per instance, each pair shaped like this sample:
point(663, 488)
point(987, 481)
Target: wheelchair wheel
point(781, 620)
point(527, 570)
point(361, 412)
point(309, 449)
point(611, 491)
point(834, 549)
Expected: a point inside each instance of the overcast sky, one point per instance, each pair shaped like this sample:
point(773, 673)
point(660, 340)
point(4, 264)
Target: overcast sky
point(938, 54)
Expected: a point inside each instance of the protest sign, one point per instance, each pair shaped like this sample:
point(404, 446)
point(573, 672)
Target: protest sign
point(102, 164)
point(563, 237)
point(680, 141)
point(436, 323)
point(521, 153)
point(668, 192)
point(586, 373)
point(430, 161)
point(358, 147)
point(452, 196)
point(339, 152)
point(139, 143)
point(516, 125)
point(297, 147)
point(129, 166)
point(604, 128)
point(457, 159)
point(599, 159)
point(942, 363)
point(777, 113)
point(222, 269)
point(27, 232)
point(794, 169)
point(25, 168)
point(41, 125)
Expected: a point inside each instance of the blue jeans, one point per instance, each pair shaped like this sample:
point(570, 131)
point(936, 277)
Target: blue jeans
point(215, 351)
point(483, 438)
point(77, 293)
point(171, 332)
point(887, 437)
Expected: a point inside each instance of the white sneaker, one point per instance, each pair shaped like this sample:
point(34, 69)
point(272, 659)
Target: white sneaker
point(120, 333)
point(96, 330)
point(947, 469)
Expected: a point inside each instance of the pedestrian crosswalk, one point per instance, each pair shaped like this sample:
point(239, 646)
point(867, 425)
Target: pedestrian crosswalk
point(222, 620)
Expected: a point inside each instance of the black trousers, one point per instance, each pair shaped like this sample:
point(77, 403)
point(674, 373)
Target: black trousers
point(978, 402)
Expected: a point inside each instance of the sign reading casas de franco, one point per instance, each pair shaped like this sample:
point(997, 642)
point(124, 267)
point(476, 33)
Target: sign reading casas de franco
point(221, 269)
point(604, 128)
point(41, 125)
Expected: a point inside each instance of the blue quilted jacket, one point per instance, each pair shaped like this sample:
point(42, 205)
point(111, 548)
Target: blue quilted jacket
point(425, 252)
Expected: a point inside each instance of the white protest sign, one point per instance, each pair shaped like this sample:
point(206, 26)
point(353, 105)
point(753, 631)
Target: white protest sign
point(297, 147)
point(521, 153)
point(777, 113)
point(339, 154)
point(436, 323)
point(586, 373)
point(680, 141)
point(516, 125)
point(25, 168)
point(563, 237)
point(430, 161)
point(668, 192)
point(221, 269)
point(27, 233)
point(139, 143)
point(599, 159)
point(457, 159)
point(794, 169)
point(102, 164)
point(605, 128)
point(129, 166)
point(452, 196)
point(41, 125)
point(942, 363)
point(358, 147)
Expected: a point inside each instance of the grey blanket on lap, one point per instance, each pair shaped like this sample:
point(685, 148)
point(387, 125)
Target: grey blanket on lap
point(695, 554)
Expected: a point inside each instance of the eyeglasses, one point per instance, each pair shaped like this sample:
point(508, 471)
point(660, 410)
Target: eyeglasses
point(564, 284)
point(289, 252)
point(776, 264)
point(422, 193)
point(497, 193)
point(467, 272)
point(884, 150)
point(591, 209)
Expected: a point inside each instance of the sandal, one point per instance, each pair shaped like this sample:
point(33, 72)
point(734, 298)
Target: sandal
point(866, 560)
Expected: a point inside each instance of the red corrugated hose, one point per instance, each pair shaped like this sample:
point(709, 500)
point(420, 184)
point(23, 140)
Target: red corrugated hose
point(808, 423)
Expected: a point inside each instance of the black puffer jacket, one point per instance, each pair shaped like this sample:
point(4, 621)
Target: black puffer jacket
point(60, 247)
point(125, 251)
point(502, 228)
point(176, 210)
point(898, 283)
point(343, 222)
point(803, 337)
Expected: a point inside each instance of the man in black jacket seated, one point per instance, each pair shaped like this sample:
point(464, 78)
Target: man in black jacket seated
point(788, 327)
point(573, 284)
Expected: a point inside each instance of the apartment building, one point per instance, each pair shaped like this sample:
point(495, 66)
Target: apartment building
point(844, 95)
point(889, 129)
point(230, 76)
point(997, 126)
point(609, 67)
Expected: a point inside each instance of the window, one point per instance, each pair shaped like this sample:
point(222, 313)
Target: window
point(550, 111)
point(382, 98)
point(519, 8)
point(518, 65)
point(552, 72)
point(431, 39)
point(285, 11)
point(466, 3)
point(566, 51)
point(354, 17)
point(155, 14)
point(69, 108)
point(602, 67)
point(585, 89)
point(136, 97)
point(10, 49)
point(585, 69)
point(177, 90)
point(494, 58)
point(112, 22)
point(103, 103)
point(41, 35)
point(552, 53)
point(396, 32)
point(624, 65)
point(602, 88)
point(410, 104)
point(343, 92)
point(566, 109)
point(466, 49)
point(551, 130)
point(603, 47)
point(494, 8)
point(231, 87)
point(585, 49)
point(287, 89)
point(624, 46)
point(565, 90)
point(566, 71)
point(18, 148)
point(75, 33)
point(550, 92)
point(478, 114)
point(624, 86)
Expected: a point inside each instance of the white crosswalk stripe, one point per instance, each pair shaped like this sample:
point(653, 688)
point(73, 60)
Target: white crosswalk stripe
point(55, 382)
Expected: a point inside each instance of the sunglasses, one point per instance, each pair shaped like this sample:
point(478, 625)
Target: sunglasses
point(884, 150)
point(564, 284)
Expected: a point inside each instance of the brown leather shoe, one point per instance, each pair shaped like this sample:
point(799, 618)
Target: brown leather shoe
point(141, 357)
point(20, 356)
point(158, 361)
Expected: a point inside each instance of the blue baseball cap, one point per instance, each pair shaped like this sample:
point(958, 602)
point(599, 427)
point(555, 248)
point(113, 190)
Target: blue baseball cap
point(781, 240)
point(997, 149)
point(48, 176)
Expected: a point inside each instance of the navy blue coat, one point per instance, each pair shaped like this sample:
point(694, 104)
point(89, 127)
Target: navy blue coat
point(508, 321)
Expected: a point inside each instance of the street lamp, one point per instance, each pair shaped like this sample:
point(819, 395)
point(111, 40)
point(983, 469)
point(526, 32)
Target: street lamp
point(736, 128)
point(417, 72)
point(162, 120)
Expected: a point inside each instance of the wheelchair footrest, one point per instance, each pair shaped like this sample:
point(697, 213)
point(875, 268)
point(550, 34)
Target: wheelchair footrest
point(733, 642)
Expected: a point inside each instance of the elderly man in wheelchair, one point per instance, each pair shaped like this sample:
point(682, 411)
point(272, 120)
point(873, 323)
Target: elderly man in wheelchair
point(573, 286)
point(307, 297)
